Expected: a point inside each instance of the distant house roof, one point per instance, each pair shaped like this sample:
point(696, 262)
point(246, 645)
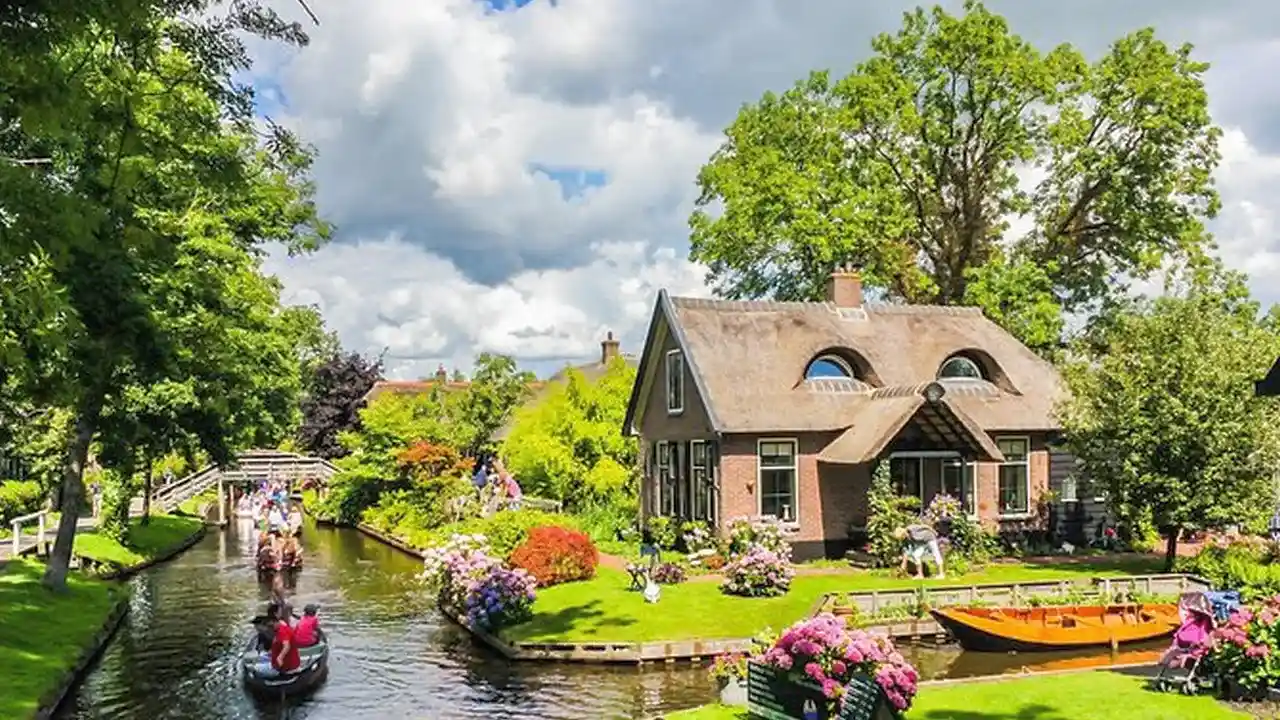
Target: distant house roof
point(751, 362)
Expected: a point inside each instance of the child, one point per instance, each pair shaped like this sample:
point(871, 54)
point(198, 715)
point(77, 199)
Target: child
point(307, 631)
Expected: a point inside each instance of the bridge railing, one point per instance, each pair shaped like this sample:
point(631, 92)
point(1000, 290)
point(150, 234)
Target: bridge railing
point(19, 521)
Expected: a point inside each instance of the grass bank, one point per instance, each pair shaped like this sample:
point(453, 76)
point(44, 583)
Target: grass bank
point(146, 542)
point(604, 610)
point(1084, 696)
point(43, 634)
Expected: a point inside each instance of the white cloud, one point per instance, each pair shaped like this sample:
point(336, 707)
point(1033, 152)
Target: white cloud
point(431, 117)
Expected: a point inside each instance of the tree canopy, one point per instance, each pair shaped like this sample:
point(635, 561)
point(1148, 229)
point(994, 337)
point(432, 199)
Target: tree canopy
point(334, 397)
point(567, 445)
point(496, 389)
point(961, 165)
point(1165, 420)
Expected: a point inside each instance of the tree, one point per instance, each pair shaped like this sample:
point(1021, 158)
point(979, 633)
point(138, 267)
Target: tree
point(910, 165)
point(497, 388)
point(567, 446)
point(156, 172)
point(1166, 420)
point(332, 402)
point(315, 344)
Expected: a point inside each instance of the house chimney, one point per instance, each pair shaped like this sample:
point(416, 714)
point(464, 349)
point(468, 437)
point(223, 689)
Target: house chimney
point(608, 349)
point(442, 375)
point(844, 287)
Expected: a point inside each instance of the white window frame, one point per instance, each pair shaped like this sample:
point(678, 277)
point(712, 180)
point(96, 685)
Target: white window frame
point(699, 490)
point(966, 466)
point(663, 471)
point(1026, 464)
point(795, 477)
point(678, 356)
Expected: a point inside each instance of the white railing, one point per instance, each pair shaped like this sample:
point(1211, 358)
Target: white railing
point(18, 522)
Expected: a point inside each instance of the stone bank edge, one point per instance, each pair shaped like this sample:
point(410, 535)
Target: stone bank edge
point(52, 700)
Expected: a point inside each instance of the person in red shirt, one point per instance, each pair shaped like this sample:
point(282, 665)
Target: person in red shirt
point(283, 656)
point(307, 632)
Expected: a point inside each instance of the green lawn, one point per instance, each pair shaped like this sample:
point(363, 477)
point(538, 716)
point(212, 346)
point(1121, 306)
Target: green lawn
point(42, 634)
point(1083, 696)
point(604, 610)
point(145, 541)
point(193, 506)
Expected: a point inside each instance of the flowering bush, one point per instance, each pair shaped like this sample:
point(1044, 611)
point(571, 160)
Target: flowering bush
point(466, 578)
point(1244, 648)
point(943, 507)
point(730, 666)
point(555, 555)
point(824, 651)
point(668, 574)
point(744, 534)
point(760, 572)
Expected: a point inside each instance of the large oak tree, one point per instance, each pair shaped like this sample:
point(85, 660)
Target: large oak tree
point(961, 165)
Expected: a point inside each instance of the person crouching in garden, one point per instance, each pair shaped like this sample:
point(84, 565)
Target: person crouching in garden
point(918, 540)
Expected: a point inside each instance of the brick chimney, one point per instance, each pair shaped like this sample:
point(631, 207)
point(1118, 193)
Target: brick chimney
point(844, 286)
point(608, 349)
point(442, 375)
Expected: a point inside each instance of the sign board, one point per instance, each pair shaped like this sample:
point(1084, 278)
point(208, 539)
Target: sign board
point(772, 695)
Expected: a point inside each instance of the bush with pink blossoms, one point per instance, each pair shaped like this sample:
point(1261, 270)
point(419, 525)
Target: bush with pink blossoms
point(1245, 649)
point(825, 652)
point(759, 572)
point(467, 579)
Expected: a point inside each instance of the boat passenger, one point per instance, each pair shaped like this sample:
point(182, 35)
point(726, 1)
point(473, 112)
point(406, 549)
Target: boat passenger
point(307, 632)
point(265, 626)
point(918, 539)
point(277, 519)
point(283, 655)
point(295, 520)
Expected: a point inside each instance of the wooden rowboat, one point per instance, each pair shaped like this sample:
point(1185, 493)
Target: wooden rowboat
point(1056, 628)
point(313, 668)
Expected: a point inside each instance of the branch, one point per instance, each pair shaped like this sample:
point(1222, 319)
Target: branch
point(312, 15)
point(28, 161)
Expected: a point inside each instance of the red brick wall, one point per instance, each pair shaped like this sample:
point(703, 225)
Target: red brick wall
point(988, 482)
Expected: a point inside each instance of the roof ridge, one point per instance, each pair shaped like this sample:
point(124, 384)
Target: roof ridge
point(879, 308)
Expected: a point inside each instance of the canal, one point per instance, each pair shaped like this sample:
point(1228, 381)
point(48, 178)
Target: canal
point(394, 655)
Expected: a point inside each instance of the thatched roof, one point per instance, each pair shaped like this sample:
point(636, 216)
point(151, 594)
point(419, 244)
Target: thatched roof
point(749, 359)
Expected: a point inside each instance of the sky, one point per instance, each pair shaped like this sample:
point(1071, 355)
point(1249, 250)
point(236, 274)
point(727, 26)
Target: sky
point(516, 176)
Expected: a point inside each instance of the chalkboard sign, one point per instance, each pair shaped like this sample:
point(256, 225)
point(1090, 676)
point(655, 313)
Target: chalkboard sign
point(773, 695)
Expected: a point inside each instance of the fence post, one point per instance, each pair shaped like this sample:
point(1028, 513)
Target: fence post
point(17, 538)
point(40, 532)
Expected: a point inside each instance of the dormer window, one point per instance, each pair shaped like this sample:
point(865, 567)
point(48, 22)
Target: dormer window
point(829, 367)
point(959, 367)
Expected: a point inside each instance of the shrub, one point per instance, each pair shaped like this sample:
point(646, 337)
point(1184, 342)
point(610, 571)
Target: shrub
point(968, 542)
point(668, 574)
point(466, 578)
point(746, 534)
point(1244, 648)
point(759, 572)
point(506, 530)
point(554, 555)
point(666, 532)
point(886, 512)
point(823, 650)
point(18, 498)
point(1240, 565)
point(714, 562)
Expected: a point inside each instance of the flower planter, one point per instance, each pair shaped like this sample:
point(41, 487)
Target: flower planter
point(733, 692)
point(773, 695)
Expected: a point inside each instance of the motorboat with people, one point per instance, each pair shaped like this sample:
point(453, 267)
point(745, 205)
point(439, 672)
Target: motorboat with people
point(308, 656)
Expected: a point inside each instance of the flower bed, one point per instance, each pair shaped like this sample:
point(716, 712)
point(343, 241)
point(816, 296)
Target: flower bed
point(758, 573)
point(468, 579)
point(554, 555)
point(1243, 650)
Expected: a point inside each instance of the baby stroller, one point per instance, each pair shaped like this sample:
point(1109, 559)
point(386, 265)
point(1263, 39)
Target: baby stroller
point(1183, 667)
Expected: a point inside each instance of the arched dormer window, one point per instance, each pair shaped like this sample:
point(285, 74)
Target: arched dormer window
point(829, 367)
point(959, 367)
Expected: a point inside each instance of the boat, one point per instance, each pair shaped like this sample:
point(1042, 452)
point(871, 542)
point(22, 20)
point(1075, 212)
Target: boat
point(312, 670)
point(1056, 628)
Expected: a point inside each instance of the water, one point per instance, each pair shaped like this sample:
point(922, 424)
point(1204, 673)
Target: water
point(394, 656)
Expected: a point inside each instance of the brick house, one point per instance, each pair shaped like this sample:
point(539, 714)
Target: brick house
point(785, 408)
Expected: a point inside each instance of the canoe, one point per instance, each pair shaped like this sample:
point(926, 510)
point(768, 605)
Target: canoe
point(1056, 628)
point(312, 670)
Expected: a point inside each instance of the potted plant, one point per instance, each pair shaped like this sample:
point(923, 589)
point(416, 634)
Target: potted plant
point(730, 671)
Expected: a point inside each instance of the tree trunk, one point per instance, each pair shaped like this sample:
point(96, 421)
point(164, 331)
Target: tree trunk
point(1171, 548)
point(146, 493)
point(55, 574)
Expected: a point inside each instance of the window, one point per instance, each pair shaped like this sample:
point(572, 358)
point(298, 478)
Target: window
point(957, 481)
point(675, 382)
point(701, 488)
point(778, 478)
point(828, 367)
point(1015, 476)
point(905, 474)
point(666, 485)
point(1070, 490)
point(959, 367)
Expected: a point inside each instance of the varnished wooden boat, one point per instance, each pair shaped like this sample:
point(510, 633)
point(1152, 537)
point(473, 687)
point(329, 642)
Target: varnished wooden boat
point(1056, 628)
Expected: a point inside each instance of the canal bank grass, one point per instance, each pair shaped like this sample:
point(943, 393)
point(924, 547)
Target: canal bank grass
point(146, 542)
point(605, 610)
point(1081, 696)
point(43, 634)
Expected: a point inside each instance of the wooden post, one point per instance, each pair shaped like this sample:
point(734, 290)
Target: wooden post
point(40, 532)
point(222, 503)
point(17, 537)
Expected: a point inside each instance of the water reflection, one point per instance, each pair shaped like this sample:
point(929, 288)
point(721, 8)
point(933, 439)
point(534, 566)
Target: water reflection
point(394, 656)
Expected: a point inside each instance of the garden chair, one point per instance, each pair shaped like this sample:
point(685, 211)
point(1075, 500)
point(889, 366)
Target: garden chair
point(642, 571)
